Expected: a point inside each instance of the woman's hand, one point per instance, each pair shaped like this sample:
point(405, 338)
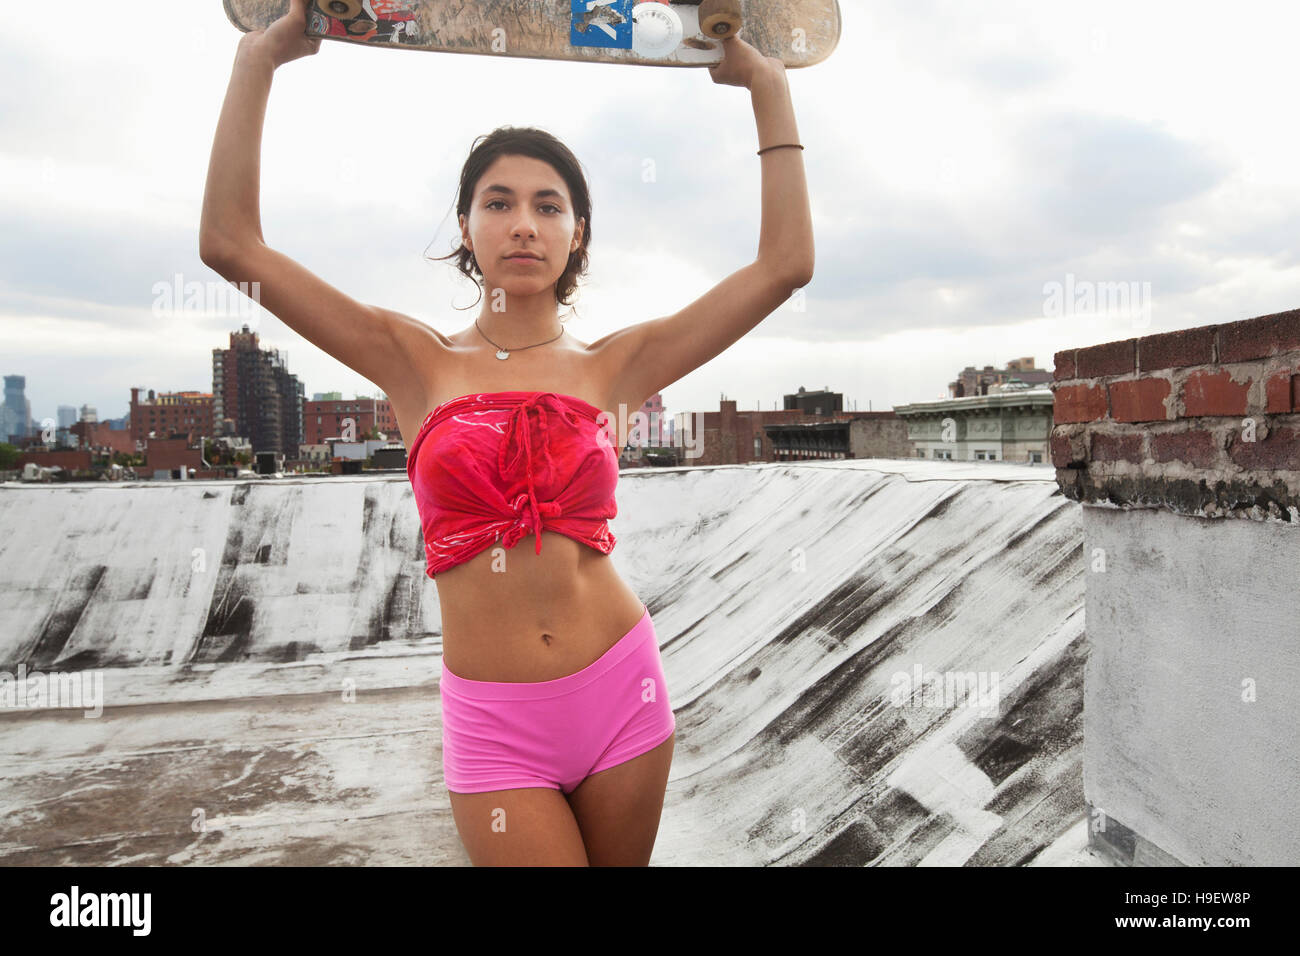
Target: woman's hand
point(283, 40)
point(742, 64)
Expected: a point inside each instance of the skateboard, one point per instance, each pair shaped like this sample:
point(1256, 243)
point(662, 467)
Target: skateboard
point(645, 33)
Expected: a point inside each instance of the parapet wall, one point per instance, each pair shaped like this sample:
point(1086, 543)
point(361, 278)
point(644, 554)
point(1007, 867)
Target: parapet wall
point(1190, 696)
point(1203, 421)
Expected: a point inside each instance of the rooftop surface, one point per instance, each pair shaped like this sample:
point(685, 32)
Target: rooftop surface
point(227, 618)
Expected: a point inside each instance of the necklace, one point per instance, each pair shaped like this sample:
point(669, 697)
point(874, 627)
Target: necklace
point(504, 353)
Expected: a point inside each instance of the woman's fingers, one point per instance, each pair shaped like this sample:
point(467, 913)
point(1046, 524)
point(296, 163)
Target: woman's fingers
point(726, 72)
point(285, 39)
point(739, 62)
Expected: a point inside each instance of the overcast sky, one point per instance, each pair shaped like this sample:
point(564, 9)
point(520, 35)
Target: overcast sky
point(961, 158)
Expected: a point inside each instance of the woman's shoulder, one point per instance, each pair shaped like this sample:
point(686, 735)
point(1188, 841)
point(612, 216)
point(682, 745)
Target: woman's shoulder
point(418, 336)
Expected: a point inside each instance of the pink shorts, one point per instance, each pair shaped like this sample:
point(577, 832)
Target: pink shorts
point(556, 733)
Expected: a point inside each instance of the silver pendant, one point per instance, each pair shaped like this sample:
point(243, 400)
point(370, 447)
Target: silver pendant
point(502, 354)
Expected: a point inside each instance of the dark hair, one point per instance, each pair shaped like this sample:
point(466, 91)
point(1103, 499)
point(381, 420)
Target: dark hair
point(538, 144)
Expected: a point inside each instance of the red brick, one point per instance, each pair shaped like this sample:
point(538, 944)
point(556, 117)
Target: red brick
point(1280, 451)
point(1064, 365)
point(1197, 447)
point(1069, 450)
point(1062, 455)
point(1139, 400)
point(1280, 392)
point(1108, 447)
point(1176, 349)
point(1112, 358)
point(1078, 403)
point(1259, 338)
point(1214, 393)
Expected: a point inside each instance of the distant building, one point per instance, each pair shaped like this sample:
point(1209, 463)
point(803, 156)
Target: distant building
point(972, 382)
point(810, 426)
point(102, 438)
point(65, 417)
point(331, 417)
point(15, 412)
point(1011, 423)
point(656, 432)
point(185, 415)
point(255, 396)
point(819, 403)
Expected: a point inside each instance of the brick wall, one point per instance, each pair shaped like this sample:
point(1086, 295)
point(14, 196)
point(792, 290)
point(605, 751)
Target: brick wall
point(1202, 421)
point(165, 454)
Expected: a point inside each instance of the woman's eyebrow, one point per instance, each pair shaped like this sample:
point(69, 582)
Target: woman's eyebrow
point(510, 192)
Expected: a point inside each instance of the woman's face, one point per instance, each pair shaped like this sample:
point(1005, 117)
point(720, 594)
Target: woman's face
point(520, 204)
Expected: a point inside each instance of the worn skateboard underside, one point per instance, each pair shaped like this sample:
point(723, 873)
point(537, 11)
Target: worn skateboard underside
point(798, 32)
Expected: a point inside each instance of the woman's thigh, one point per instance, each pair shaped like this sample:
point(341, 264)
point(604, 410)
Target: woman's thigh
point(618, 809)
point(526, 826)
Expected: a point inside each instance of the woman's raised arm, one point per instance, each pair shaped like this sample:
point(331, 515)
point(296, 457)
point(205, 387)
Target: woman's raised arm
point(648, 356)
point(390, 349)
point(230, 201)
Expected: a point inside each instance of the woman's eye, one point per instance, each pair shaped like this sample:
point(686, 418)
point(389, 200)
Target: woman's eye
point(499, 202)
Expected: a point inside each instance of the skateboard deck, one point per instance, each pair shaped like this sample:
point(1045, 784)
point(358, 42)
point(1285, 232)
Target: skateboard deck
point(646, 33)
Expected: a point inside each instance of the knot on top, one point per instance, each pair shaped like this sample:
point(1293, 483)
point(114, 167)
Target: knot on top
point(529, 513)
point(517, 451)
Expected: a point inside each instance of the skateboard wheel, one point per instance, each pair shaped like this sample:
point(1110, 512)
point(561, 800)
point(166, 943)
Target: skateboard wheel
point(343, 9)
point(656, 29)
point(720, 19)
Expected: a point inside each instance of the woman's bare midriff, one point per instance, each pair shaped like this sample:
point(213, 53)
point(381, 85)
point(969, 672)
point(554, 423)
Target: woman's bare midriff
point(509, 614)
point(537, 616)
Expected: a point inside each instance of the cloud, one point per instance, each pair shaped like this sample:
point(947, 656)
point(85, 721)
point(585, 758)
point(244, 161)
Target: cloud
point(1102, 175)
point(1011, 74)
point(61, 256)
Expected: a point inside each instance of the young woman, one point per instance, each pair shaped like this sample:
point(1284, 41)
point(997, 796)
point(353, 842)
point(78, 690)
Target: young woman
point(557, 727)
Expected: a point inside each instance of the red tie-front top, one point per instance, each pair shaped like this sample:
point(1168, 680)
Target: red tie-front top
point(499, 465)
